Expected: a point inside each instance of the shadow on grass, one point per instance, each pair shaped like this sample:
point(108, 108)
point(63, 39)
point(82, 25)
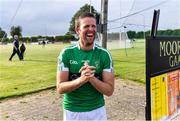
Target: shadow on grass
point(26, 93)
point(49, 61)
point(129, 61)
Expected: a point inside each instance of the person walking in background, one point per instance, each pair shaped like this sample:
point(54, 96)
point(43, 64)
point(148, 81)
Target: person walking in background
point(84, 74)
point(22, 50)
point(43, 43)
point(15, 48)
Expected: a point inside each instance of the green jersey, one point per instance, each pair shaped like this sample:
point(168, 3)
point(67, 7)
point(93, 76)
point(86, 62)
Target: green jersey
point(86, 97)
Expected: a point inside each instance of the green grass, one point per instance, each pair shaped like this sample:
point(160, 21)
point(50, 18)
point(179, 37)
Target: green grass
point(131, 65)
point(38, 71)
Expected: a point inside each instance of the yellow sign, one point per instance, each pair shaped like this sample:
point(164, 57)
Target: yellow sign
point(165, 96)
point(159, 97)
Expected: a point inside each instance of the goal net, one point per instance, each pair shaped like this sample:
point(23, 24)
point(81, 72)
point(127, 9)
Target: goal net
point(118, 40)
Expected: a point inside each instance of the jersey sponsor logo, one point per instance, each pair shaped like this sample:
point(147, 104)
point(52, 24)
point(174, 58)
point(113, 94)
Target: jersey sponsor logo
point(73, 62)
point(97, 64)
point(87, 61)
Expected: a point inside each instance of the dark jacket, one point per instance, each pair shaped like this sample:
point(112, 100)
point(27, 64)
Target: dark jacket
point(22, 48)
point(16, 44)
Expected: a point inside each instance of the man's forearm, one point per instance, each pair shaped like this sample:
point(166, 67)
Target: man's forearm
point(103, 87)
point(69, 86)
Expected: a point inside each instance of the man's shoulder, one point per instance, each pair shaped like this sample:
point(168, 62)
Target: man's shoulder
point(69, 48)
point(99, 48)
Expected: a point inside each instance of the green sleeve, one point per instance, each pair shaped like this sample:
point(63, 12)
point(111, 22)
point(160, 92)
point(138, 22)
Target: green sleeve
point(108, 63)
point(63, 61)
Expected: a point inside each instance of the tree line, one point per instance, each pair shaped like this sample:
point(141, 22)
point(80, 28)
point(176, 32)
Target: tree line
point(17, 30)
point(141, 34)
point(68, 37)
point(63, 38)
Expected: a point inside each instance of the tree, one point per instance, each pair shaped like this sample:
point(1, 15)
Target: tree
point(140, 34)
point(3, 34)
point(131, 34)
point(16, 30)
point(85, 8)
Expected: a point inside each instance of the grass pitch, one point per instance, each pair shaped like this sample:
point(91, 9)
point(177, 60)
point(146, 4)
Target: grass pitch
point(38, 70)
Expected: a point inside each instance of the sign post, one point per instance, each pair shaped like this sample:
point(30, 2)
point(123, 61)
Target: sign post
point(162, 76)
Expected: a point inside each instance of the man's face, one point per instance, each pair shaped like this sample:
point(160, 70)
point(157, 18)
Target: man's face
point(87, 31)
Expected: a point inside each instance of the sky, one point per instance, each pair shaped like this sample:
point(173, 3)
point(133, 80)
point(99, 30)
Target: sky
point(52, 17)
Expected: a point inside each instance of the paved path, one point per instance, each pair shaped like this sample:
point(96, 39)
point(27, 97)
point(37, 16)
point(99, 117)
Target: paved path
point(127, 103)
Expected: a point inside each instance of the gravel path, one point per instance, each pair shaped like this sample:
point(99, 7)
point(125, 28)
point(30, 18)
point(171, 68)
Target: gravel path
point(127, 103)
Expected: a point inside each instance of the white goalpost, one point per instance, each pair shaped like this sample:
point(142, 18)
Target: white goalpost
point(118, 40)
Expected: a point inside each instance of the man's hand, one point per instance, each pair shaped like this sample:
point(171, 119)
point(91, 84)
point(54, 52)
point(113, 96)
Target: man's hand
point(64, 86)
point(87, 71)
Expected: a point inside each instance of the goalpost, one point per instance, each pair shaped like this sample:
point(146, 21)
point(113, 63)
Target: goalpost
point(118, 40)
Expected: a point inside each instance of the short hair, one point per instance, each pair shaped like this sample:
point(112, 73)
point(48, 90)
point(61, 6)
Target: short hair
point(81, 16)
point(16, 36)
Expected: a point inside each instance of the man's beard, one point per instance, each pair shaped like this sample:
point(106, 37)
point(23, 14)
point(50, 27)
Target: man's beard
point(89, 42)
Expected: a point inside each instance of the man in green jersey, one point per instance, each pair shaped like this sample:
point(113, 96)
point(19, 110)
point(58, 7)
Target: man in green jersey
point(85, 74)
